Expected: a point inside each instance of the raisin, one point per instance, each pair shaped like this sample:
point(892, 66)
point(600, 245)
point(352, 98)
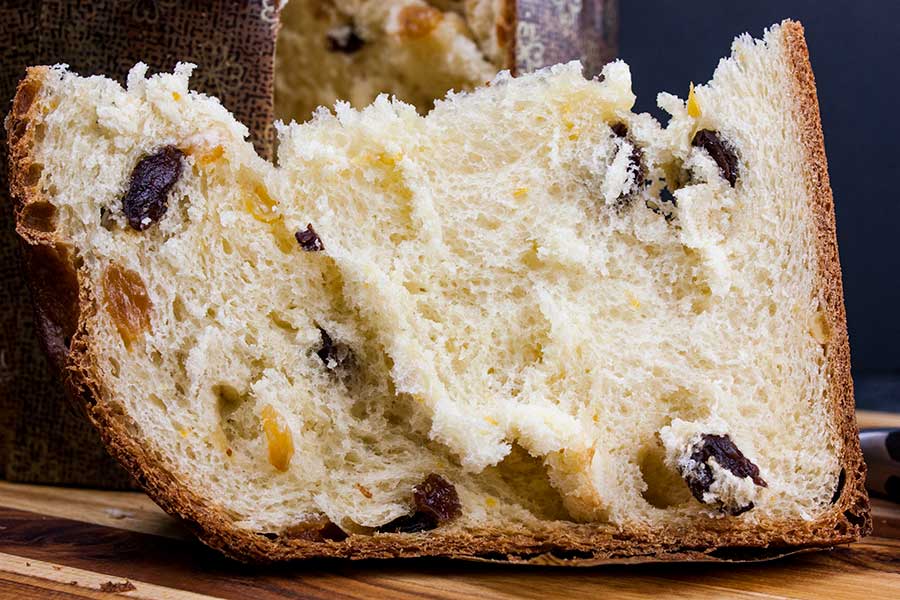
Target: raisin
point(636, 159)
point(127, 302)
point(151, 180)
point(416, 21)
point(334, 354)
point(437, 496)
point(720, 152)
point(309, 240)
point(345, 40)
point(435, 501)
point(729, 457)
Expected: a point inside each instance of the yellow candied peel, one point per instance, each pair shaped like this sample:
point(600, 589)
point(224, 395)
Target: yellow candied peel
point(280, 441)
point(210, 156)
point(261, 205)
point(520, 192)
point(693, 107)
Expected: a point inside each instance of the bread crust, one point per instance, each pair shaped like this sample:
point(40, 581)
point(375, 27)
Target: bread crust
point(854, 500)
point(65, 331)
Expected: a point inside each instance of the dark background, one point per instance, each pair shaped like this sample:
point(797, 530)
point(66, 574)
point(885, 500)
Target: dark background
point(853, 47)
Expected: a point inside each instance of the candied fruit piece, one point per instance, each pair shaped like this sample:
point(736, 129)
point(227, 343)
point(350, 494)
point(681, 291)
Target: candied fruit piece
point(416, 21)
point(261, 205)
point(278, 436)
point(693, 107)
point(145, 202)
point(210, 156)
point(127, 302)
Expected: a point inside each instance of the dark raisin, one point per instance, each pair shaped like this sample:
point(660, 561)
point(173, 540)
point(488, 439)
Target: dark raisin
point(344, 39)
point(728, 456)
point(435, 501)
point(636, 158)
point(333, 354)
point(437, 496)
point(309, 240)
point(151, 180)
point(842, 479)
point(720, 152)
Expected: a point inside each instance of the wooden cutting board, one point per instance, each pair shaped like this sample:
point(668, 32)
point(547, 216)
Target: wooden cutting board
point(69, 543)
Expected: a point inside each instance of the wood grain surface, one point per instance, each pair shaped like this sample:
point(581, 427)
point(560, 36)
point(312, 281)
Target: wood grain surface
point(70, 543)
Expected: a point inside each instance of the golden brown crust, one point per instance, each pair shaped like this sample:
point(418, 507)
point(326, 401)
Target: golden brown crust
point(558, 543)
point(853, 504)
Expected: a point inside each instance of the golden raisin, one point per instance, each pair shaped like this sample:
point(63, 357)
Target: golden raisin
point(418, 21)
point(261, 205)
point(127, 302)
point(281, 444)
